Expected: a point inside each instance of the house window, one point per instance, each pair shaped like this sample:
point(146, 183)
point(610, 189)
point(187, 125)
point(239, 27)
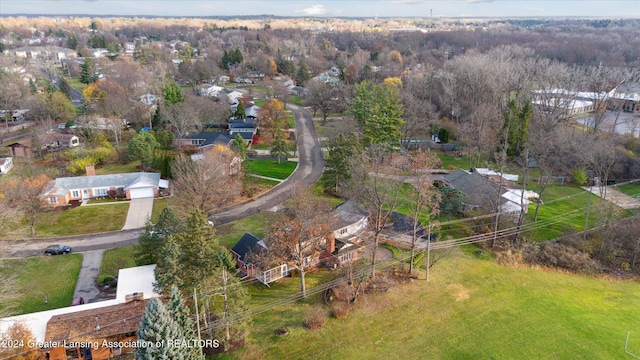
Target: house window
point(53, 199)
point(75, 193)
point(343, 231)
point(101, 192)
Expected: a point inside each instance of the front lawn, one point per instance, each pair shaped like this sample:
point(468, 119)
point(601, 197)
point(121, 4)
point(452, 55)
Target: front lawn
point(39, 283)
point(232, 232)
point(271, 168)
point(82, 220)
point(470, 309)
point(116, 259)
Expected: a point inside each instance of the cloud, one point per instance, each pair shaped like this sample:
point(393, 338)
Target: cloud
point(315, 10)
point(407, 1)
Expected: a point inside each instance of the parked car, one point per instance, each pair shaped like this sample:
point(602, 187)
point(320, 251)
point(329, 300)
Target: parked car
point(78, 300)
point(57, 250)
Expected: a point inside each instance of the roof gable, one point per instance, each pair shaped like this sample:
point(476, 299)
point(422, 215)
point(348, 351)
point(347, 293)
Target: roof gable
point(247, 243)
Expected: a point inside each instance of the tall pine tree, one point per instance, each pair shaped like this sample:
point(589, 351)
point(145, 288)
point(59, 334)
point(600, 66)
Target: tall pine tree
point(179, 312)
point(157, 327)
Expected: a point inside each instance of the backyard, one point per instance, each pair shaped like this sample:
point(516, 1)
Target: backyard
point(476, 309)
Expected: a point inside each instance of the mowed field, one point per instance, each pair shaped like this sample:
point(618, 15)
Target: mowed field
point(471, 308)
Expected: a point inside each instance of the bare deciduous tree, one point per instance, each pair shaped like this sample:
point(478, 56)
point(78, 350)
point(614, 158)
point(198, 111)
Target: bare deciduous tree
point(207, 184)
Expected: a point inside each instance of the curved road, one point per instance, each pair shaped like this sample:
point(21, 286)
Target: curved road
point(310, 167)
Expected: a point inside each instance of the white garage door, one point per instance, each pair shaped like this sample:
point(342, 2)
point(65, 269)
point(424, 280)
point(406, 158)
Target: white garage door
point(141, 193)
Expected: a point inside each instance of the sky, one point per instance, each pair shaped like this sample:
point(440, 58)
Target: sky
point(330, 8)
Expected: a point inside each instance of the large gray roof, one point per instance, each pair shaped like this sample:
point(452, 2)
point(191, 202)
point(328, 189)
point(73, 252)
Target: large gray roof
point(61, 186)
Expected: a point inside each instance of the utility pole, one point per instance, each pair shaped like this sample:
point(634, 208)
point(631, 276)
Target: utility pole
point(428, 249)
point(226, 303)
point(195, 300)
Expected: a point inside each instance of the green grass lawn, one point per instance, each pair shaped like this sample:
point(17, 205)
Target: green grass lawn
point(118, 168)
point(232, 232)
point(632, 189)
point(558, 201)
point(116, 259)
point(470, 309)
point(158, 205)
point(34, 280)
point(461, 162)
point(271, 168)
point(82, 220)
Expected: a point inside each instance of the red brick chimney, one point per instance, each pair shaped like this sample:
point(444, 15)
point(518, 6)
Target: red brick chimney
point(91, 170)
point(330, 243)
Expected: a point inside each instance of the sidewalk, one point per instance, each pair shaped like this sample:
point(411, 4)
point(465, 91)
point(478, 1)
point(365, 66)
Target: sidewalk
point(615, 196)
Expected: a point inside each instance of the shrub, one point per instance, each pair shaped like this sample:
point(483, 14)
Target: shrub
point(340, 309)
point(579, 176)
point(559, 256)
point(316, 317)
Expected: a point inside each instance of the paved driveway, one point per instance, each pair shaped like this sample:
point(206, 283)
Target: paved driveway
point(139, 212)
point(88, 278)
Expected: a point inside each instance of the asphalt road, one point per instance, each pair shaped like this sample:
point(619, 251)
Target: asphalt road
point(308, 171)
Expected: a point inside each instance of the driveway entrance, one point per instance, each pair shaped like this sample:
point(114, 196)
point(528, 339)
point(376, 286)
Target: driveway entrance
point(139, 211)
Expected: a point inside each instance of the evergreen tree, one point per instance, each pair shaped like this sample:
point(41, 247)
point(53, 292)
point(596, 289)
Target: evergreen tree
point(240, 110)
point(279, 146)
point(88, 74)
point(225, 60)
point(65, 88)
point(168, 269)
point(342, 152)
point(172, 92)
point(72, 41)
point(150, 243)
point(32, 86)
point(191, 256)
point(157, 327)
point(179, 312)
point(142, 147)
point(303, 74)
point(240, 146)
point(237, 56)
point(516, 124)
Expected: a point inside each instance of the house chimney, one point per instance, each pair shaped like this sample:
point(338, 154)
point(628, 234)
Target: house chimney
point(330, 243)
point(91, 170)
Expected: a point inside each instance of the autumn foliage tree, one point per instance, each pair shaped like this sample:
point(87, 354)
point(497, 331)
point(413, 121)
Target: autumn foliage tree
point(272, 116)
point(24, 195)
point(19, 334)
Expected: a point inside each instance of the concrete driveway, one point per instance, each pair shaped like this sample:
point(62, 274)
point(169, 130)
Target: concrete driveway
point(139, 212)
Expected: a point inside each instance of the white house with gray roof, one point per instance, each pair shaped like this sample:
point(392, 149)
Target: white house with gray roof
point(132, 186)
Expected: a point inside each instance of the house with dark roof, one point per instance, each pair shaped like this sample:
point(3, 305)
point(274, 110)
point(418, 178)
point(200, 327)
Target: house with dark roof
point(61, 191)
point(58, 140)
point(204, 140)
point(485, 193)
point(250, 252)
point(20, 149)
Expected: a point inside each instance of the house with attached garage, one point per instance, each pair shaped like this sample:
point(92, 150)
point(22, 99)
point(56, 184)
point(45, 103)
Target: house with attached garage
point(62, 191)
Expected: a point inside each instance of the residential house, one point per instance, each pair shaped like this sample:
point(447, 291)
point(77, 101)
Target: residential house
point(118, 320)
point(203, 140)
point(87, 334)
point(58, 141)
point(210, 91)
point(223, 79)
point(349, 221)
point(61, 191)
point(149, 99)
point(232, 96)
point(485, 193)
point(298, 91)
point(6, 164)
point(248, 253)
point(343, 244)
point(20, 149)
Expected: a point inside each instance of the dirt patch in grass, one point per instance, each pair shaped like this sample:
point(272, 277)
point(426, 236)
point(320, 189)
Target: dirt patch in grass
point(459, 292)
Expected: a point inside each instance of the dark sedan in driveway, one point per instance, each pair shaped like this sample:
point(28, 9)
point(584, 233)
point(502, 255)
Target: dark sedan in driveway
point(57, 250)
